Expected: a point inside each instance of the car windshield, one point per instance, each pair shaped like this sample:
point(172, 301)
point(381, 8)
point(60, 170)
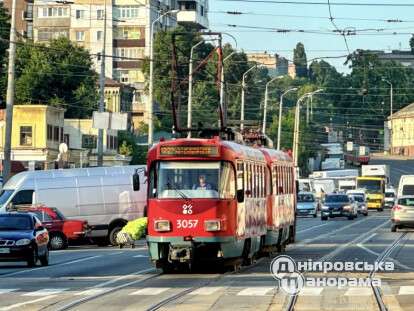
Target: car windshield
point(371, 186)
point(195, 180)
point(358, 198)
point(406, 201)
point(336, 198)
point(59, 214)
point(305, 198)
point(389, 194)
point(18, 222)
point(5, 195)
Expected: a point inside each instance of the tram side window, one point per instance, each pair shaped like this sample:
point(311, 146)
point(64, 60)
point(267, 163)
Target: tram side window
point(227, 182)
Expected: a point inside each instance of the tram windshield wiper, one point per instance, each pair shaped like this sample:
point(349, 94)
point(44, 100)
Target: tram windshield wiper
point(180, 193)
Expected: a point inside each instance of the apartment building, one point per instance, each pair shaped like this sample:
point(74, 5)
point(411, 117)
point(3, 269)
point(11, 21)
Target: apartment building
point(24, 17)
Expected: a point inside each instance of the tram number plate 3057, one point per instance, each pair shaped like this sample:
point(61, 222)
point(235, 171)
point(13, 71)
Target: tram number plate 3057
point(187, 223)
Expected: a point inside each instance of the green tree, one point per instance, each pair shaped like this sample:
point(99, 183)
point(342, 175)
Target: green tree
point(4, 44)
point(412, 43)
point(59, 74)
point(300, 60)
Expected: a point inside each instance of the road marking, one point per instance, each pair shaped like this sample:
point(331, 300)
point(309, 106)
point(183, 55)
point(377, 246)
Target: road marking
point(311, 291)
point(51, 266)
point(117, 253)
point(92, 291)
point(21, 304)
point(314, 227)
point(367, 239)
point(150, 291)
point(7, 290)
point(359, 291)
point(339, 249)
point(140, 256)
point(205, 291)
point(255, 291)
point(45, 292)
point(406, 290)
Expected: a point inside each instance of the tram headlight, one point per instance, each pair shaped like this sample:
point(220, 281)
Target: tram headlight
point(162, 225)
point(212, 225)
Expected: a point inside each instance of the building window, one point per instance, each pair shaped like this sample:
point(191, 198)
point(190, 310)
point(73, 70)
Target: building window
point(126, 12)
point(26, 136)
point(111, 142)
point(29, 31)
point(53, 12)
point(56, 133)
point(100, 14)
point(47, 34)
point(99, 35)
point(202, 10)
point(127, 33)
point(49, 132)
point(89, 141)
point(80, 14)
point(66, 139)
point(80, 36)
point(129, 53)
point(61, 138)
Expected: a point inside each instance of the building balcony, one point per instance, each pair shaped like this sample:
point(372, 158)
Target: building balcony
point(125, 43)
point(28, 16)
point(193, 18)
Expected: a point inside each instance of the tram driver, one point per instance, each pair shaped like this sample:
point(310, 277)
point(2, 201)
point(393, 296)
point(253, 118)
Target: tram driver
point(202, 185)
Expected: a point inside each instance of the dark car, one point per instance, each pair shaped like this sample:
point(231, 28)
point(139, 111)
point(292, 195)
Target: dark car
point(23, 238)
point(338, 205)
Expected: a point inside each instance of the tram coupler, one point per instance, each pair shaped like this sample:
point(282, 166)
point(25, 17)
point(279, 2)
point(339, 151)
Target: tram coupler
point(181, 253)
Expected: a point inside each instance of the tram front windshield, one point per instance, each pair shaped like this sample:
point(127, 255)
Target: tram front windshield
point(177, 180)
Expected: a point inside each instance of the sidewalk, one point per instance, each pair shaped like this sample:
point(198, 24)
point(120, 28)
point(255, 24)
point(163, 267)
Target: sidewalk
point(382, 156)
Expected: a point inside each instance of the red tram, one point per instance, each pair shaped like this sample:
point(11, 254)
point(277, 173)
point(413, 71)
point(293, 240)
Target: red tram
point(210, 199)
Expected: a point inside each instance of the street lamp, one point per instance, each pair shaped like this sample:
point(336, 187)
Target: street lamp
point(265, 102)
point(243, 96)
point(151, 82)
point(391, 107)
point(297, 125)
point(279, 128)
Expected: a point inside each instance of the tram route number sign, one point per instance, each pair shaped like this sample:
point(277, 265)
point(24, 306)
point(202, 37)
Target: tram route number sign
point(189, 151)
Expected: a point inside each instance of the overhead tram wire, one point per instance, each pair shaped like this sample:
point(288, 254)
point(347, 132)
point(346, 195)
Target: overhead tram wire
point(374, 4)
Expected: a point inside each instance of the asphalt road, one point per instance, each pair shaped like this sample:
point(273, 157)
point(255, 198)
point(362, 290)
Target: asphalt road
point(92, 278)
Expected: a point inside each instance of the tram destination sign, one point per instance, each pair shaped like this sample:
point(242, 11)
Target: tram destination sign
point(189, 151)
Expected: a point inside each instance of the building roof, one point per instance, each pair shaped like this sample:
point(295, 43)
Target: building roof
point(112, 83)
point(407, 111)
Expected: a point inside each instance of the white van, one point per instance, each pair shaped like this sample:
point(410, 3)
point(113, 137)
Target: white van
point(103, 196)
point(406, 186)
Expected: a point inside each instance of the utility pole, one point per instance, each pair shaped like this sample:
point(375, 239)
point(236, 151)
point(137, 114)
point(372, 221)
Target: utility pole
point(279, 126)
point(391, 108)
point(222, 95)
point(150, 109)
point(102, 90)
point(10, 95)
point(297, 125)
point(190, 88)
point(265, 102)
point(243, 96)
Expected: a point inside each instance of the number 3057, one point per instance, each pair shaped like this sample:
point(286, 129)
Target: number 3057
point(186, 223)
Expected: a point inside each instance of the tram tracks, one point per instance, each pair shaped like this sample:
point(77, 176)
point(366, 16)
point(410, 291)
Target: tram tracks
point(292, 300)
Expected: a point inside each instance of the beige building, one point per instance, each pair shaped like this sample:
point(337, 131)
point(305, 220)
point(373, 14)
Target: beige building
point(402, 133)
point(36, 134)
point(24, 17)
point(275, 64)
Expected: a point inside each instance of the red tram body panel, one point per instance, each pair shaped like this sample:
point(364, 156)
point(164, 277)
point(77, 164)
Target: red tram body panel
point(210, 199)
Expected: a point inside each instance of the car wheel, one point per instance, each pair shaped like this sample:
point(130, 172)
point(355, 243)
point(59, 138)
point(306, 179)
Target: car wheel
point(314, 215)
point(350, 217)
point(393, 228)
point(112, 235)
point(324, 218)
point(380, 209)
point(44, 260)
point(32, 260)
point(58, 241)
point(365, 214)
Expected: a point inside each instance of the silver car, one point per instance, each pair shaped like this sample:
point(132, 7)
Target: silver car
point(361, 204)
point(307, 204)
point(402, 214)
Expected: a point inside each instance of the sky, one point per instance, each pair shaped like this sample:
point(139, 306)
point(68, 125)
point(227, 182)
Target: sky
point(371, 34)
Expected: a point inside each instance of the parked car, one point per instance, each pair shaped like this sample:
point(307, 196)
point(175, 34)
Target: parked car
point(338, 205)
point(103, 196)
point(361, 204)
point(307, 204)
point(61, 230)
point(23, 238)
point(402, 214)
point(389, 197)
